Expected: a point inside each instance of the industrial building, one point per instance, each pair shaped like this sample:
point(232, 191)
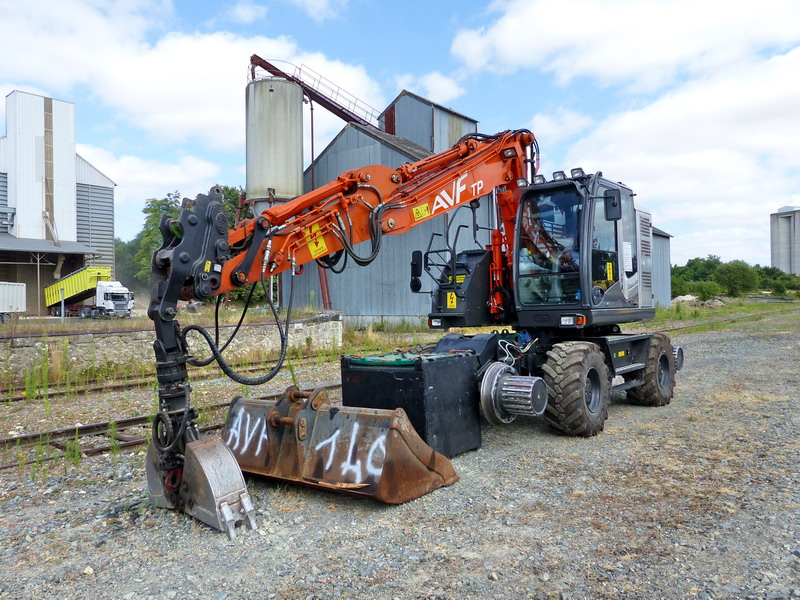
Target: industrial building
point(662, 268)
point(56, 209)
point(784, 233)
point(411, 128)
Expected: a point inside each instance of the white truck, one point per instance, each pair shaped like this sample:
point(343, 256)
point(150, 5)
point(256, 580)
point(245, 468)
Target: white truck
point(12, 300)
point(108, 298)
point(111, 299)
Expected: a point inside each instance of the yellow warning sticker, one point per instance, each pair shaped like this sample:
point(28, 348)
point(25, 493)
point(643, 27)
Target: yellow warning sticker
point(421, 212)
point(315, 241)
point(207, 266)
point(459, 278)
point(451, 300)
point(610, 271)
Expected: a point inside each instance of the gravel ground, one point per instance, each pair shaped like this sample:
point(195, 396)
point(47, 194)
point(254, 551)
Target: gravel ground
point(699, 499)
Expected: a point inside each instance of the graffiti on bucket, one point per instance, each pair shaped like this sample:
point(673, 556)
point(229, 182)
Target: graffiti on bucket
point(373, 465)
point(341, 452)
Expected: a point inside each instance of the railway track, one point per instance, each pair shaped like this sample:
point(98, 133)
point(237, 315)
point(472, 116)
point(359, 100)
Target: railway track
point(98, 438)
point(123, 382)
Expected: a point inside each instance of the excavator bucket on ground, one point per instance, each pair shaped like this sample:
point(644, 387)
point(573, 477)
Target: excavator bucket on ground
point(304, 439)
point(210, 487)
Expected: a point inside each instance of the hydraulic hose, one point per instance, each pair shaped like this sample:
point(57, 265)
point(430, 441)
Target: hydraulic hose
point(283, 332)
point(202, 363)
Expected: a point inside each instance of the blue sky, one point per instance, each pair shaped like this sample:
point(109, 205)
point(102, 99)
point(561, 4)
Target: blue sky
point(693, 103)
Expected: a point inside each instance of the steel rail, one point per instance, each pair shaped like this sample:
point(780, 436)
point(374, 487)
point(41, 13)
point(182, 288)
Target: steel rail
point(107, 428)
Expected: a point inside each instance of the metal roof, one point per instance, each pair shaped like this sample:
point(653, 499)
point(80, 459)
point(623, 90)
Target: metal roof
point(429, 103)
point(401, 144)
point(662, 233)
point(406, 147)
point(13, 244)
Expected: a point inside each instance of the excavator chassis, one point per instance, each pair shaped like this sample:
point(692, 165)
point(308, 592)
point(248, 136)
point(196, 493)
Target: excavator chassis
point(304, 439)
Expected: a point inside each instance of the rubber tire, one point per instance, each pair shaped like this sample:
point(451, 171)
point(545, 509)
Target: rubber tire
point(565, 372)
point(652, 392)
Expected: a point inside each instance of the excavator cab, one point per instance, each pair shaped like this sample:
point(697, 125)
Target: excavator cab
point(583, 255)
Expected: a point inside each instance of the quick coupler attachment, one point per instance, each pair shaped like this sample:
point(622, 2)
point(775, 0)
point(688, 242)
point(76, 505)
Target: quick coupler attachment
point(304, 439)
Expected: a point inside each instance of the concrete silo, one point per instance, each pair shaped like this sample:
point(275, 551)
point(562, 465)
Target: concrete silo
point(274, 141)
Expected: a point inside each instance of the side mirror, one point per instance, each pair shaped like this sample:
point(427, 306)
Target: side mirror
point(613, 205)
point(416, 270)
point(416, 263)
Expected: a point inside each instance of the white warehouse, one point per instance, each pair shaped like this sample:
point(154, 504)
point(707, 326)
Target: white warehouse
point(56, 210)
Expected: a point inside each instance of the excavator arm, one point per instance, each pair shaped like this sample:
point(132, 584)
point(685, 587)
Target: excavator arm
point(360, 205)
point(201, 258)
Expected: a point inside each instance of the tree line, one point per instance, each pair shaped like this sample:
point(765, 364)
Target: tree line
point(709, 277)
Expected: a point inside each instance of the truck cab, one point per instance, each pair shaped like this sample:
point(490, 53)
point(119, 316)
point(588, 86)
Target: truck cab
point(113, 299)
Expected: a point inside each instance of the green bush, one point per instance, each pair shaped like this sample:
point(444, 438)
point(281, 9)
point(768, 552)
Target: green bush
point(703, 290)
point(737, 277)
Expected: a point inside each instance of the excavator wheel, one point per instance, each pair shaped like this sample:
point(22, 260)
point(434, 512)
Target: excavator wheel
point(659, 374)
point(577, 379)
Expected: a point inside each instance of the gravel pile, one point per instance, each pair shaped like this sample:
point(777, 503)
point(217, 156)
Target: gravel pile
point(699, 499)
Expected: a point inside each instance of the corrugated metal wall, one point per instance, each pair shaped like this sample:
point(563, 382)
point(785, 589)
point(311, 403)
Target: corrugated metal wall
point(87, 174)
point(662, 269)
point(448, 128)
point(379, 291)
point(351, 149)
point(64, 170)
point(95, 222)
point(425, 123)
point(414, 121)
point(25, 159)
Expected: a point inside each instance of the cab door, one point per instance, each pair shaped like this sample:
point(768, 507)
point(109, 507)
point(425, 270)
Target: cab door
point(628, 249)
point(604, 255)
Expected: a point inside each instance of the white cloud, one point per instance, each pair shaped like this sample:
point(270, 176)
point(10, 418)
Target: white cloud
point(711, 159)
point(139, 179)
point(434, 86)
point(642, 45)
point(75, 40)
point(182, 88)
point(321, 10)
point(563, 123)
point(246, 12)
point(440, 88)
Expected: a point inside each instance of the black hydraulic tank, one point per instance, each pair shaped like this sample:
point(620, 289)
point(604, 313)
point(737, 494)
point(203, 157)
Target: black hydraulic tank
point(438, 392)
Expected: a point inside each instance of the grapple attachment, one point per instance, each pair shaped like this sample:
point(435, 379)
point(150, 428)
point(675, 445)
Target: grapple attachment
point(210, 486)
point(304, 439)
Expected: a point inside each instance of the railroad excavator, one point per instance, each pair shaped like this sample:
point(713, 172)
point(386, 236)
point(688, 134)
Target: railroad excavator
point(561, 265)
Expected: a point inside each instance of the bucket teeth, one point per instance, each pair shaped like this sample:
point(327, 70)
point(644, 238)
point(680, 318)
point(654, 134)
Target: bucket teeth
point(212, 488)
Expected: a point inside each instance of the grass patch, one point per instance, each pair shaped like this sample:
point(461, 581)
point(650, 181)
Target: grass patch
point(732, 307)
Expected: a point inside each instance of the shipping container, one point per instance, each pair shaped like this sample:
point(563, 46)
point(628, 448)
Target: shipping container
point(12, 299)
